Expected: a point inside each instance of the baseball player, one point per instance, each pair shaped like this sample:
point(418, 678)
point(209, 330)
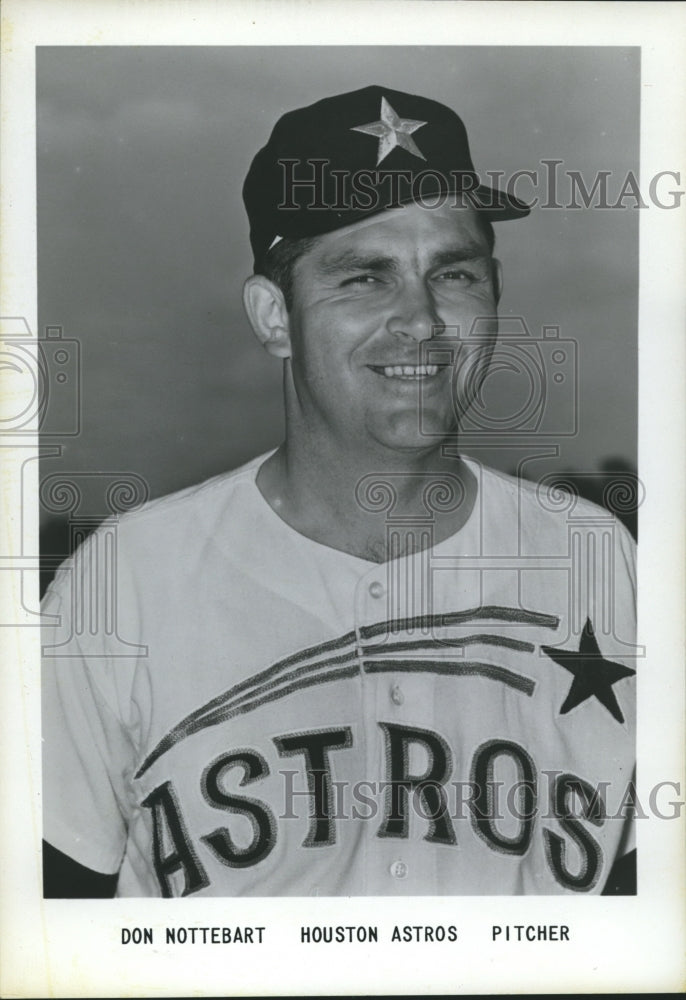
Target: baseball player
point(363, 663)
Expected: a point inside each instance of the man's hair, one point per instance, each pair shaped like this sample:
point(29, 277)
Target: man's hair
point(279, 263)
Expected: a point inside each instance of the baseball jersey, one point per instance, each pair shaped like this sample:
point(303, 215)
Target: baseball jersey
point(231, 708)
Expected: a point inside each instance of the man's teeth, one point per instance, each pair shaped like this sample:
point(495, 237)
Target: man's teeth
point(409, 371)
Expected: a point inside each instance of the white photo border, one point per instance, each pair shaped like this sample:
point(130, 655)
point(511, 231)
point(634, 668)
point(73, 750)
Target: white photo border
point(622, 944)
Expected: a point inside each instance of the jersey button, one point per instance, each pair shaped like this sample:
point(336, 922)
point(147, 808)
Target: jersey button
point(399, 869)
point(376, 589)
point(397, 696)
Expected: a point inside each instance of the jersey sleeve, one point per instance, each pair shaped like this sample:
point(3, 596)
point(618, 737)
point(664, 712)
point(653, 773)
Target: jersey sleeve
point(87, 752)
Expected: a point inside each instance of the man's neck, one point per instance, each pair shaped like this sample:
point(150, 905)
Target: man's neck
point(352, 503)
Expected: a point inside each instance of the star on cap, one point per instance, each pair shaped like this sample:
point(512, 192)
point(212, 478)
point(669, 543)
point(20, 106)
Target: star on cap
point(392, 131)
point(593, 674)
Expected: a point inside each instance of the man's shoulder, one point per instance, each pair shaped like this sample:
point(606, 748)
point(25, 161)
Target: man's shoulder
point(553, 503)
point(172, 537)
point(200, 501)
point(169, 528)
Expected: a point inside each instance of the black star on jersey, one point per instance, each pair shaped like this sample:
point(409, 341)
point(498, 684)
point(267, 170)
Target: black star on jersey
point(593, 674)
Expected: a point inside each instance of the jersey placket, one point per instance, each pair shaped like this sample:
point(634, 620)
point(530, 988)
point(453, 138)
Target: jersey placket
point(389, 599)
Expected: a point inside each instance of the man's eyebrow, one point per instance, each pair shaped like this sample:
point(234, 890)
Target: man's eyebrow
point(459, 252)
point(352, 260)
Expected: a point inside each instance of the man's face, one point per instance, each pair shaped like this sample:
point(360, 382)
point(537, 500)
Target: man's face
point(371, 301)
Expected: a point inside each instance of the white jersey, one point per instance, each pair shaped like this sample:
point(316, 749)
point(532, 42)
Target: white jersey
point(231, 708)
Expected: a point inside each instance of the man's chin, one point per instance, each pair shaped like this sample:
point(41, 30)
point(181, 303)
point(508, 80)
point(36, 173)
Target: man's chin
point(407, 435)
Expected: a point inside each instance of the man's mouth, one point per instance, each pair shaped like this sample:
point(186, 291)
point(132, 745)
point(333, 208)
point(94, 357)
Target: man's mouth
point(408, 372)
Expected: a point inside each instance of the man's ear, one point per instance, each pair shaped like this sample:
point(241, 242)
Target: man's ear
point(266, 309)
point(497, 278)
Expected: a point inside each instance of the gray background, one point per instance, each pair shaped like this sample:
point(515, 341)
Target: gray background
point(143, 243)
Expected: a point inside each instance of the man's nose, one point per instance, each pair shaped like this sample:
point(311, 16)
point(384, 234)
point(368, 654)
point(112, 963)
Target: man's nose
point(413, 313)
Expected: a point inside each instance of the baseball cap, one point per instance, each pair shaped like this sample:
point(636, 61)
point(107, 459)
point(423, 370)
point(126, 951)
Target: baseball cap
point(352, 155)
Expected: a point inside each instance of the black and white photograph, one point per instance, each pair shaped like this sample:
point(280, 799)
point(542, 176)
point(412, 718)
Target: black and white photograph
point(340, 480)
point(367, 661)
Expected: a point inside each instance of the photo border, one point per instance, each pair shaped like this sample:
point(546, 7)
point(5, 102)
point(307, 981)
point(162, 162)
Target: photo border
point(73, 947)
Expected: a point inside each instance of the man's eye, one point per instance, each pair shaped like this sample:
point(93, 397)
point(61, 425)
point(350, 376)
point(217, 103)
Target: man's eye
point(456, 275)
point(360, 279)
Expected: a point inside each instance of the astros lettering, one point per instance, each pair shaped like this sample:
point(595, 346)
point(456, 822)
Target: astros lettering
point(400, 790)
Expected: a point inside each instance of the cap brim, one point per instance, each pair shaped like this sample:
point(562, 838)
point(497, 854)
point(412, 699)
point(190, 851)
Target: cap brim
point(498, 205)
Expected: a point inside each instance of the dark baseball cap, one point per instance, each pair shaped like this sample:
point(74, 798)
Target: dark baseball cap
point(350, 156)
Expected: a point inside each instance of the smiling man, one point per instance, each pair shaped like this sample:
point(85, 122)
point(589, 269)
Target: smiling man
point(368, 302)
point(362, 664)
